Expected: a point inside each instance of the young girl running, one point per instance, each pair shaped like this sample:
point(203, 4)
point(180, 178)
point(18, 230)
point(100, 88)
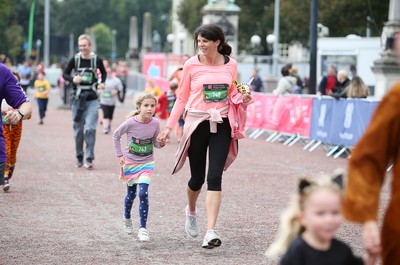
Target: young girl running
point(42, 87)
point(137, 160)
point(308, 226)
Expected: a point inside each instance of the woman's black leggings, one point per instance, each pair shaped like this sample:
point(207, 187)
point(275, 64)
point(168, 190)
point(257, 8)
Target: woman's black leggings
point(218, 148)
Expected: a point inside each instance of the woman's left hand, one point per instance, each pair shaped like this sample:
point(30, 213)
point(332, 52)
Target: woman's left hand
point(247, 98)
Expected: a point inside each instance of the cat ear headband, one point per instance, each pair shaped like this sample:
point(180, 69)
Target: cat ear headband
point(337, 179)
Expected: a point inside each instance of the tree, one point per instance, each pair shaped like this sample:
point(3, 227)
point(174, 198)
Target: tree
point(341, 17)
point(13, 38)
point(189, 13)
point(103, 39)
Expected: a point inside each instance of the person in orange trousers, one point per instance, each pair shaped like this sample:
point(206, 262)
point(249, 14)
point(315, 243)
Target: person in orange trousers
point(12, 137)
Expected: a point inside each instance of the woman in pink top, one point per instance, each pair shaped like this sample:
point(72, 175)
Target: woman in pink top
point(207, 94)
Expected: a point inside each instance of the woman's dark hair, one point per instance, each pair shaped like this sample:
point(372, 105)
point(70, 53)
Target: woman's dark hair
point(213, 32)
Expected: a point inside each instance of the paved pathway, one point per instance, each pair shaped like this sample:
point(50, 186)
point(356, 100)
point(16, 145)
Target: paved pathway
point(58, 214)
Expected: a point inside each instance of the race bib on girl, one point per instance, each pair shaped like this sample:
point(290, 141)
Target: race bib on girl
point(141, 147)
point(215, 92)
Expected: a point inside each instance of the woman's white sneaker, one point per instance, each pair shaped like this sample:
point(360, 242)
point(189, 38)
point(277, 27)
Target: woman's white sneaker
point(191, 225)
point(211, 240)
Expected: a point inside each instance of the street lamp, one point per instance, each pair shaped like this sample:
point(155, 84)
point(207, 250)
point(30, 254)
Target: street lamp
point(181, 37)
point(255, 41)
point(38, 45)
point(271, 40)
point(113, 45)
point(170, 39)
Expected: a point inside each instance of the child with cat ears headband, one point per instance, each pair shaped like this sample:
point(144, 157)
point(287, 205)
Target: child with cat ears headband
point(307, 230)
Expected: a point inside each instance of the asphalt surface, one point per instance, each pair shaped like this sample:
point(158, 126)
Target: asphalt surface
point(55, 213)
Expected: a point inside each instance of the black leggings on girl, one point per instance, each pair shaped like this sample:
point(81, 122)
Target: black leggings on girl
point(143, 202)
point(218, 148)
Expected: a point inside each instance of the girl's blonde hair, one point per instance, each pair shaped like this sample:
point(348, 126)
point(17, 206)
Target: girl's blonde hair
point(290, 226)
point(138, 103)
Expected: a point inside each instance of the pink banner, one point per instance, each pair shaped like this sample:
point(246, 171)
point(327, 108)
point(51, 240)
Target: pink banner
point(153, 65)
point(255, 117)
point(162, 83)
point(297, 118)
point(286, 114)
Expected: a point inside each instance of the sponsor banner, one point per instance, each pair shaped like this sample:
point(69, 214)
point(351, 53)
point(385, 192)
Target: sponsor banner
point(340, 122)
point(350, 119)
point(321, 120)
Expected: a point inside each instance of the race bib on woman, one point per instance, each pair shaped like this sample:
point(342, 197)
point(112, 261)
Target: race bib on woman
point(215, 92)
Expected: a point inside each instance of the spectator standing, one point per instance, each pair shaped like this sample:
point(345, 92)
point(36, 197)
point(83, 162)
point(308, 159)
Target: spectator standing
point(84, 103)
point(357, 88)
point(257, 85)
point(298, 87)
point(286, 83)
point(328, 82)
point(340, 91)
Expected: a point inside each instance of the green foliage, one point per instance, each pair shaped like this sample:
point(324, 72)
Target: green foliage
point(189, 13)
point(342, 17)
point(255, 18)
point(103, 39)
point(13, 39)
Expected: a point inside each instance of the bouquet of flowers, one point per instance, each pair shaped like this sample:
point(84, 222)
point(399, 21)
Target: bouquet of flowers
point(243, 88)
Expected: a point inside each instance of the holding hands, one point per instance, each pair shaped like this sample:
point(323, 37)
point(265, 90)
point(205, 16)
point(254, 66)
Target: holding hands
point(163, 136)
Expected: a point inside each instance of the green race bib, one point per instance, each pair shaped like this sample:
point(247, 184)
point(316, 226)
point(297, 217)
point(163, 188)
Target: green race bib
point(141, 147)
point(87, 77)
point(106, 94)
point(41, 88)
point(215, 92)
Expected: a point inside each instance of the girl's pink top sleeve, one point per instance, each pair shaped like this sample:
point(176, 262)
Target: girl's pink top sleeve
point(190, 92)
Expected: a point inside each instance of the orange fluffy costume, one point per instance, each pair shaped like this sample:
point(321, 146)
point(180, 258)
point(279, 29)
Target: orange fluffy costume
point(377, 149)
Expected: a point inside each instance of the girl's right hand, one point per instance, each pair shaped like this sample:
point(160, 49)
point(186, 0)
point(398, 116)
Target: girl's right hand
point(121, 160)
